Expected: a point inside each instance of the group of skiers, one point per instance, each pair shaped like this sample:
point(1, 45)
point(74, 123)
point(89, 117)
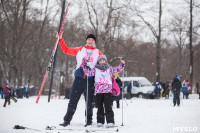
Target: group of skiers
point(93, 77)
point(176, 87)
point(162, 89)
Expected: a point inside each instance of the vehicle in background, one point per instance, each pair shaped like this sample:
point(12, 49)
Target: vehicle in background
point(140, 87)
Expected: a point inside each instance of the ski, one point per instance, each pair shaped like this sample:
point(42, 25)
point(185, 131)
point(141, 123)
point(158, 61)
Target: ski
point(18, 127)
point(88, 130)
point(15, 100)
point(105, 130)
point(52, 56)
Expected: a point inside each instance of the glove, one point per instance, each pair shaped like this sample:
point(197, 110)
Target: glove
point(18, 127)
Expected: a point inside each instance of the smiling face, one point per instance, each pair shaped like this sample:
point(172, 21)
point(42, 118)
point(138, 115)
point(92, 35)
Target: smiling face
point(102, 62)
point(90, 42)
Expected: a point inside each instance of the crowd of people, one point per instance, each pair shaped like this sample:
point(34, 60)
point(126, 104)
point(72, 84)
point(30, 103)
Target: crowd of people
point(176, 87)
point(8, 92)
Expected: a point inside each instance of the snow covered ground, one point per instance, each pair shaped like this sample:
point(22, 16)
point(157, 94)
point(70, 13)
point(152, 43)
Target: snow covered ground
point(140, 116)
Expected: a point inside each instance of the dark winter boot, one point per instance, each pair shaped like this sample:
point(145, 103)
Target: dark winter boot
point(88, 124)
point(65, 123)
point(4, 105)
point(89, 121)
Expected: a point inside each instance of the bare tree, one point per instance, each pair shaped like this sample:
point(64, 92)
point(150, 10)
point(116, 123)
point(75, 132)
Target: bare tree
point(15, 17)
point(156, 33)
point(179, 28)
point(106, 23)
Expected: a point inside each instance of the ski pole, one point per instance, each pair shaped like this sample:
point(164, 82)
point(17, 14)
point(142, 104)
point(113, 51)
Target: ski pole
point(181, 99)
point(52, 57)
point(86, 103)
point(172, 99)
point(123, 98)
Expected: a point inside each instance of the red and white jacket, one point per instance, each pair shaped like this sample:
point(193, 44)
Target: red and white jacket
point(89, 53)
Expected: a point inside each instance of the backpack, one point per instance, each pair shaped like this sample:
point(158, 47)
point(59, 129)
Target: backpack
point(115, 88)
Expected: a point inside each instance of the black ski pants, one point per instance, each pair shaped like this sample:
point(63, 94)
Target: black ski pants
point(7, 99)
point(176, 99)
point(79, 87)
point(104, 102)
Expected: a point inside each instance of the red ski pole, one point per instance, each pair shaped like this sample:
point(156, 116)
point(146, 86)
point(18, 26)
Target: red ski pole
point(52, 57)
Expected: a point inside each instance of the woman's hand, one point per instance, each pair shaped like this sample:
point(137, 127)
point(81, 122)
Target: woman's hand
point(122, 61)
point(60, 36)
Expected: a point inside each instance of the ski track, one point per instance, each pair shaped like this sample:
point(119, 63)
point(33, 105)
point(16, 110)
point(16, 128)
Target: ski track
point(140, 115)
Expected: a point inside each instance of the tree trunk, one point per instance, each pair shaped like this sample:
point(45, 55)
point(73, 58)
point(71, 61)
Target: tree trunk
point(158, 44)
point(191, 50)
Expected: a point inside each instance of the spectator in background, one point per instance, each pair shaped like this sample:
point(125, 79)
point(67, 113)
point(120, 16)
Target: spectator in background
point(129, 88)
point(184, 90)
point(188, 86)
point(176, 88)
point(24, 91)
point(1, 90)
point(157, 90)
point(162, 89)
point(13, 92)
point(6, 95)
point(198, 89)
point(167, 89)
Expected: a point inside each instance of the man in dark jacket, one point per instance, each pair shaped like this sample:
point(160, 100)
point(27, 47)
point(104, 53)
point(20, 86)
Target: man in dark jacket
point(176, 88)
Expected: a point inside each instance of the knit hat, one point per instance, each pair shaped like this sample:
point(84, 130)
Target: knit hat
point(102, 57)
point(91, 36)
point(178, 77)
point(6, 84)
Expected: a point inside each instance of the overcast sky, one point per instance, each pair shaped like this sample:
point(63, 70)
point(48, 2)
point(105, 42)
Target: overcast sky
point(169, 8)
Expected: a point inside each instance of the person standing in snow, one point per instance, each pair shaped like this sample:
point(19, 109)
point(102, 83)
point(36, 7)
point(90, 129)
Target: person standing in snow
point(158, 89)
point(167, 89)
point(187, 85)
point(129, 89)
point(91, 53)
point(6, 95)
point(176, 88)
point(1, 90)
point(103, 73)
point(198, 89)
point(184, 90)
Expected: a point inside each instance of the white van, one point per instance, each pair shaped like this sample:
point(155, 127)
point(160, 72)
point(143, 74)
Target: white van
point(140, 87)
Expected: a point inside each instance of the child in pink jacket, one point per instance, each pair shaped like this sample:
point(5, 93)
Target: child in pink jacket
point(103, 73)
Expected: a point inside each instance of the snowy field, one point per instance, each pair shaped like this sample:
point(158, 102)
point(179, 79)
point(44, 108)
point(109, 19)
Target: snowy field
point(140, 116)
